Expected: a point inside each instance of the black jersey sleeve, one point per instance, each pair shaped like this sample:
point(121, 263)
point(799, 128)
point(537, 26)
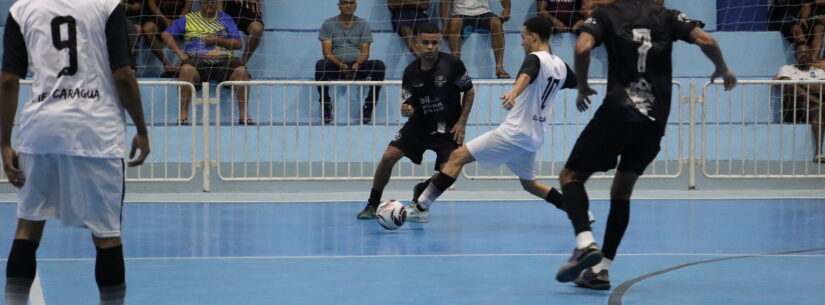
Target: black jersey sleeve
point(595, 25)
point(406, 87)
point(117, 39)
point(15, 55)
point(530, 66)
point(681, 25)
point(570, 82)
point(463, 81)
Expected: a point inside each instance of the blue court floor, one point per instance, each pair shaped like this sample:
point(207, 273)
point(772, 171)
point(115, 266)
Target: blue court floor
point(705, 252)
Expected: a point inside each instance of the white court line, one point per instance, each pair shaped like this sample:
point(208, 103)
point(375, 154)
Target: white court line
point(429, 255)
point(36, 292)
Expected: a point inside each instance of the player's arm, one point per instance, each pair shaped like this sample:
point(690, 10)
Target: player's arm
point(505, 12)
point(466, 106)
point(117, 45)
point(15, 67)
point(173, 45)
point(584, 45)
point(326, 48)
point(508, 100)
point(711, 49)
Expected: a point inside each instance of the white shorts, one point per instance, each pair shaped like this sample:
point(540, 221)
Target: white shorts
point(494, 148)
point(82, 192)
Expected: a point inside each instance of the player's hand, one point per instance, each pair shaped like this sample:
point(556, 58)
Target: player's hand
point(583, 99)
point(508, 100)
point(139, 142)
point(210, 40)
point(458, 132)
point(727, 77)
point(11, 165)
point(407, 110)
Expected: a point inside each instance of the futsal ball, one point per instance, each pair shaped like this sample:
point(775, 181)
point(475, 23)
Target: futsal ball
point(391, 214)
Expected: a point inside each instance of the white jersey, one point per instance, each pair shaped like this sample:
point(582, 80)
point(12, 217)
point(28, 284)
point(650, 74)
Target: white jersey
point(471, 7)
point(75, 109)
point(527, 121)
point(792, 72)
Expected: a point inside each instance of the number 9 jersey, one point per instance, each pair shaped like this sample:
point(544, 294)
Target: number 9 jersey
point(73, 47)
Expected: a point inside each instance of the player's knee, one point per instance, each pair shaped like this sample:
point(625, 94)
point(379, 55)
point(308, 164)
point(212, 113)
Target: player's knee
point(106, 242)
point(255, 29)
point(188, 73)
point(495, 24)
point(240, 74)
point(527, 185)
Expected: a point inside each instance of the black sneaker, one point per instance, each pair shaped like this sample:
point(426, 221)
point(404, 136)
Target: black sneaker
point(328, 115)
point(368, 212)
point(418, 189)
point(580, 260)
point(597, 281)
point(366, 117)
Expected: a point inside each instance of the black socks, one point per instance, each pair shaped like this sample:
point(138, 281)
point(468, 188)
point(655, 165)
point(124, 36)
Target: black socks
point(576, 204)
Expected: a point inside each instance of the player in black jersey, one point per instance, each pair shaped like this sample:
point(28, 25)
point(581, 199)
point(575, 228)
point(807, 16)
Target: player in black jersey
point(639, 36)
point(431, 93)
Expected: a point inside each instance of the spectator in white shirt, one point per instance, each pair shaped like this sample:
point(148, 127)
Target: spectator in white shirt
point(461, 18)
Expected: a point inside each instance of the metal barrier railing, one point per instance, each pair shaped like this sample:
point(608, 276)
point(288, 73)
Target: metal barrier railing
point(565, 126)
point(762, 129)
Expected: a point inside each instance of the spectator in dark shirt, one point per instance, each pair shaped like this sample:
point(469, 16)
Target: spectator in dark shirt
point(133, 8)
point(345, 42)
point(406, 15)
point(248, 15)
point(156, 17)
point(211, 36)
point(565, 15)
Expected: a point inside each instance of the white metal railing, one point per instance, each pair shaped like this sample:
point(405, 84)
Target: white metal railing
point(173, 157)
point(754, 131)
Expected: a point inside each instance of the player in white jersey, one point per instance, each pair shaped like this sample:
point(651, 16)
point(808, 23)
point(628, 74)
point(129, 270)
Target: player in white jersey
point(515, 142)
point(72, 131)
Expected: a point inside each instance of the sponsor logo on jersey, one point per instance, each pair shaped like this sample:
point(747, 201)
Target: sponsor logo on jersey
point(590, 20)
point(683, 18)
point(440, 81)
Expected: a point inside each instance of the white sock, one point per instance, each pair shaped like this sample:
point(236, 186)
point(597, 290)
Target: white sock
point(603, 265)
point(584, 239)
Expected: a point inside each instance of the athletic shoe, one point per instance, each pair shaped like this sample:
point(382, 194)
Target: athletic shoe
point(591, 217)
point(580, 260)
point(414, 215)
point(328, 113)
point(366, 118)
point(368, 212)
point(597, 281)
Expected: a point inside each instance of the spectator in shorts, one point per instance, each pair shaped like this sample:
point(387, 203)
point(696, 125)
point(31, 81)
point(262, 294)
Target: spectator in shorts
point(802, 103)
point(345, 42)
point(133, 9)
point(248, 16)
point(210, 37)
point(406, 16)
point(464, 17)
point(156, 17)
point(564, 15)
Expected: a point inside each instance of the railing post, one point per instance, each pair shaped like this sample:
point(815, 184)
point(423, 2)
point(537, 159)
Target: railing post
point(692, 137)
point(207, 160)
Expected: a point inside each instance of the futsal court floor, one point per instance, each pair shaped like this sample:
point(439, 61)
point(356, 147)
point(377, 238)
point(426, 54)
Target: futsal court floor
point(755, 251)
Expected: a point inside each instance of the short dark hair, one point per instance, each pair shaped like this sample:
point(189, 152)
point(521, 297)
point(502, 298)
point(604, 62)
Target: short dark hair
point(540, 26)
point(427, 28)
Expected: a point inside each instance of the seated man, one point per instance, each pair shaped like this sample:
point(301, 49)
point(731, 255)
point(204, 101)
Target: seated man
point(345, 41)
point(133, 8)
point(248, 15)
point(802, 102)
point(210, 37)
point(564, 15)
point(464, 17)
point(157, 15)
point(406, 16)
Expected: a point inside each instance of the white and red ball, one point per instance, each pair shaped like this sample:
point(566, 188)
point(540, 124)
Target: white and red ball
point(391, 214)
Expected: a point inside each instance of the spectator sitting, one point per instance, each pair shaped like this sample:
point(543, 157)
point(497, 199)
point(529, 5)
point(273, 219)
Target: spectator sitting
point(406, 15)
point(133, 8)
point(802, 102)
point(156, 17)
point(564, 15)
point(463, 17)
point(248, 15)
point(345, 41)
point(210, 37)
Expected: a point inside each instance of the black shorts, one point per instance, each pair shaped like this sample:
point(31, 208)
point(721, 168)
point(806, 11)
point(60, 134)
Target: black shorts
point(475, 24)
point(407, 17)
point(600, 144)
point(414, 144)
point(243, 15)
point(209, 70)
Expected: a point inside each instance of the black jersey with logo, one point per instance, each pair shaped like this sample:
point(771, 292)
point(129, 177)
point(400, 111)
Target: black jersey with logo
point(639, 36)
point(435, 94)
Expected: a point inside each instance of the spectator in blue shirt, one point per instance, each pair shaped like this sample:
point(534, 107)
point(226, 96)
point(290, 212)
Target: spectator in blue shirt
point(210, 36)
point(345, 41)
